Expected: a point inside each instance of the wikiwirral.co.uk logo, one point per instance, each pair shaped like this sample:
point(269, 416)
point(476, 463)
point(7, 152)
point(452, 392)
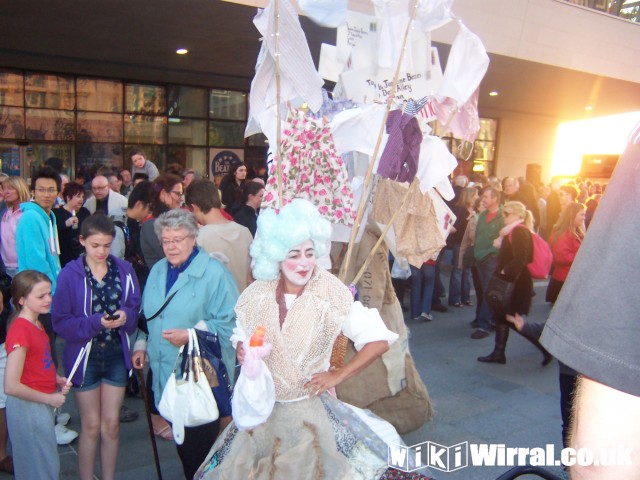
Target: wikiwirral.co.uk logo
point(429, 454)
point(455, 457)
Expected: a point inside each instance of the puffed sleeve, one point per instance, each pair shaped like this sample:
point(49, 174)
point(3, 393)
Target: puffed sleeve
point(364, 325)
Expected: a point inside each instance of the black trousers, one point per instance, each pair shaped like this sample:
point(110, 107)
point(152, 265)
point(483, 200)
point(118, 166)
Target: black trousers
point(197, 443)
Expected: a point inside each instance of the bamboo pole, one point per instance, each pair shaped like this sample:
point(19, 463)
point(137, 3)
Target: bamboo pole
point(278, 103)
point(367, 181)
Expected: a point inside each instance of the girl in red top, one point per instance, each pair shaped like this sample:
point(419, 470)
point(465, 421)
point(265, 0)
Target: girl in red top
point(31, 382)
point(565, 239)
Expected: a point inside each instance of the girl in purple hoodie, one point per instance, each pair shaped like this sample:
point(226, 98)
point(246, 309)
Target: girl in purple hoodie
point(95, 307)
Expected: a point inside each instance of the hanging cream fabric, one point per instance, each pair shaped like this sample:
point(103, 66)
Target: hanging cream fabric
point(418, 237)
point(298, 79)
point(467, 63)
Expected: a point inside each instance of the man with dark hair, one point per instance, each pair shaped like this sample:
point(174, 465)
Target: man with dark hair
point(219, 235)
point(36, 233)
point(246, 213)
point(138, 212)
point(490, 221)
point(38, 249)
point(115, 182)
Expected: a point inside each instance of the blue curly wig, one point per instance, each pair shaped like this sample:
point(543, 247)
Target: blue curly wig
point(277, 234)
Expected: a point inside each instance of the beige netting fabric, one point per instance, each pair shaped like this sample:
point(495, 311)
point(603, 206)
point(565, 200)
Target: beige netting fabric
point(303, 346)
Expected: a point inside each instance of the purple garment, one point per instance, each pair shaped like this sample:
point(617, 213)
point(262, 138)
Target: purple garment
point(399, 160)
point(72, 316)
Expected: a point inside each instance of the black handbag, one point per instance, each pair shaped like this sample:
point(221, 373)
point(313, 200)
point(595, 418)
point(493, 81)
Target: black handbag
point(215, 370)
point(499, 294)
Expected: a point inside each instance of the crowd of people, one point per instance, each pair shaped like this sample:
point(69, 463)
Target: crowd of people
point(475, 249)
point(120, 272)
point(75, 262)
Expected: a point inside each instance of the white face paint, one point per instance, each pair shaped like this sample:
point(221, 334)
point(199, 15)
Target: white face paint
point(298, 266)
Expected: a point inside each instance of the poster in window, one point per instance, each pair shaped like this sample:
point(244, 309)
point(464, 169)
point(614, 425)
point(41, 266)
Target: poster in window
point(220, 161)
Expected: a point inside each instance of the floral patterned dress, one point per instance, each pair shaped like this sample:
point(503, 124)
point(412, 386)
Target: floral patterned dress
point(311, 169)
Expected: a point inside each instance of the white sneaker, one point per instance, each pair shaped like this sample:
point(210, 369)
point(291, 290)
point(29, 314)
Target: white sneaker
point(64, 436)
point(62, 418)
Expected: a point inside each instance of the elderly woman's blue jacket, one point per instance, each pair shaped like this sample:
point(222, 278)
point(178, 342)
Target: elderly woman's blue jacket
point(207, 292)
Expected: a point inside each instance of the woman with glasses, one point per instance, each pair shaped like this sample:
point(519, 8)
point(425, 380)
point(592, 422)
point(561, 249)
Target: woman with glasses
point(196, 291)
point(515, 253)
point(166, 194)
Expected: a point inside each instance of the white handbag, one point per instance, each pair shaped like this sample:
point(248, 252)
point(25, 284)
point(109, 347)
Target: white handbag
point(188, 402)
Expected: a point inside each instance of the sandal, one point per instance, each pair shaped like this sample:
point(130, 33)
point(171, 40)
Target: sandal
point(165, 433)
point(6, 464)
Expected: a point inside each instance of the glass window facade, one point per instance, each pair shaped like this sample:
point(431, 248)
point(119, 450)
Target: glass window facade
point(95, 122)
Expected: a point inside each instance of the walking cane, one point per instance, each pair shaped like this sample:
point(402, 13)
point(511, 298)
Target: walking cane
point(143, 389)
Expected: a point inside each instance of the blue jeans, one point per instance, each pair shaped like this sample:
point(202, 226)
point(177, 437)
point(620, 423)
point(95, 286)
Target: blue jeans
point(485, 314)
point(460, 281)
point(105, 365)
point(423, 280)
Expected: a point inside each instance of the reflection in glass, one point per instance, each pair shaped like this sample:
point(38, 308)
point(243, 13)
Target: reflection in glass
point(187, 102)
point(144, 98)
point(50, 91)
point(188, 157)
point(488, 128)
point(257, 140)
point(228, 105)
point(10, 159)
point(50, 125)
point(92, 156)
point(145, 129)
point(226, 134)
point(11, 122)
point(99, 127)
point(484, 150)
point(38, 153)
point(11, 89)
point(99, 95)
point(187, 132)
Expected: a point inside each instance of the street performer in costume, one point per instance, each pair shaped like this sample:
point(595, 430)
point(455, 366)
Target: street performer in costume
point(309, 433)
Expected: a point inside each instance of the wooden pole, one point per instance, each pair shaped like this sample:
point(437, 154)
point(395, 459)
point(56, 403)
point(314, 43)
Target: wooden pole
point(278, 102)
point(367, 180)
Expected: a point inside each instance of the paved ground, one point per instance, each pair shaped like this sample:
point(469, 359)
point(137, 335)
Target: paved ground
point(516, 404)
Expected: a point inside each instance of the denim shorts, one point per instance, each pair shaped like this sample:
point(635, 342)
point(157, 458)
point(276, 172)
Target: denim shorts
point(106, 364)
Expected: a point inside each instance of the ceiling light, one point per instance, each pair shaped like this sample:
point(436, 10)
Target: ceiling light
point(588, 107)
point(493, 93)
point(182, 51)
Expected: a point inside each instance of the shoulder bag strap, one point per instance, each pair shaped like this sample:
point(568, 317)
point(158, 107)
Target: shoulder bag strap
point(164, 305)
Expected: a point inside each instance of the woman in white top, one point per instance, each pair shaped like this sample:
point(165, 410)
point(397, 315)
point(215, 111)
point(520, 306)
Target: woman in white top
point(303, 309)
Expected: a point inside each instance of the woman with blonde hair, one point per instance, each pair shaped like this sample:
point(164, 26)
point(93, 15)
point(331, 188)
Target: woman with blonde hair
point(515, 245)
point(15, 191)
point(565, 239)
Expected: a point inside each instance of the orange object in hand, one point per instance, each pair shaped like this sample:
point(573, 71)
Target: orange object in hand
point(257, 339)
